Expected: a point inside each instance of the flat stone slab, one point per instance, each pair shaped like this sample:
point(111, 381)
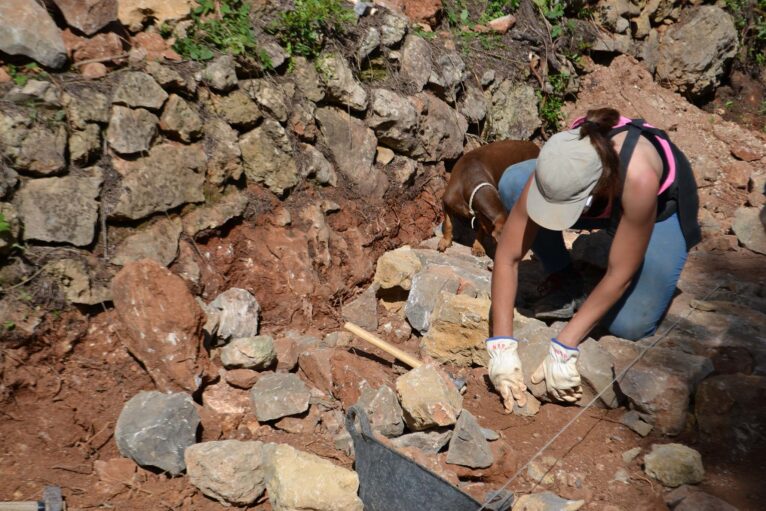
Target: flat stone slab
point(278, 395)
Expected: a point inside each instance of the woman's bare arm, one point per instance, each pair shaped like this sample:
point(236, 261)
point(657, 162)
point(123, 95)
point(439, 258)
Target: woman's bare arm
point(639, 210)
point(518, 234)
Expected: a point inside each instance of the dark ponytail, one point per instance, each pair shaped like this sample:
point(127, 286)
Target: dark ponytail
point(597, 125)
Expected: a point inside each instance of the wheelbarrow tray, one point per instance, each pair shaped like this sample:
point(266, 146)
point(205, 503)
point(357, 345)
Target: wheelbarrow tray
point(389, 481)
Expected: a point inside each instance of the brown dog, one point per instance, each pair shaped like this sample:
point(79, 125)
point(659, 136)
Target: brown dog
point(471, 192)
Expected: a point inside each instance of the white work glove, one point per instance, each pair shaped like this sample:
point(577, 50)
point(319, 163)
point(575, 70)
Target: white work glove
point(559, 370)
point(505, 371)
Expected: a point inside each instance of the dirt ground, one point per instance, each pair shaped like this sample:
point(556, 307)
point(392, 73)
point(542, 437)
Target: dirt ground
point(58, 427)
point(59, 430)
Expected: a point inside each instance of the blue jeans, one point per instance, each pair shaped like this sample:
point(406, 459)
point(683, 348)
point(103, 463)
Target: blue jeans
point(639, 311)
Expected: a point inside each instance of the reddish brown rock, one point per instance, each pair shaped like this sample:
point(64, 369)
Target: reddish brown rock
point(107, 46)
point(502, 24)
point(241, 378)
point(315, 366)
point(303, 423)
point(155, 46)
point(160, 323)
point(747, 152)
point(88, 16)
point(287, 353)
point(738, 173)
point(417, 10)
point(350, 373)
point(93, 70)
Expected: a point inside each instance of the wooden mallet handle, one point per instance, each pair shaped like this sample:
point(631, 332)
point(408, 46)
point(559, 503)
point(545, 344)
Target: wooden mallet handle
point(380, 343)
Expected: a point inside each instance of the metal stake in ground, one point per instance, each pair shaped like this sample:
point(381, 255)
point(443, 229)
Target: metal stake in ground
point(51, 501)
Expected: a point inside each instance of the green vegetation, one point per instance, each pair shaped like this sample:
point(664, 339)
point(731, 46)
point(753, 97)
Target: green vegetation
point(750, 20)
point(4, 225)
point(219, 26)
point(552, 103)
point(22, 74)
point(497, 8)
point(305, 29)
point(9, 325)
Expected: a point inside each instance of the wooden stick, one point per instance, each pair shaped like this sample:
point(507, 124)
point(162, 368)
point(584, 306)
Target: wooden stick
point(380, 343)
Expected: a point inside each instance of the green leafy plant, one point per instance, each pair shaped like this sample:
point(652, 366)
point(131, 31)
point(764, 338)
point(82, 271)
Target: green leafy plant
point(551, 103)
point(304, 29)
point(9, 325)
point(497, 8)
point(218, 26)
point(4, 225)
point(22, 74)
point(750, 20)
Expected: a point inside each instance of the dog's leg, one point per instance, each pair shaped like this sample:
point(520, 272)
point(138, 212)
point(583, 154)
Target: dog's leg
point(477, 248)
point(446, 240)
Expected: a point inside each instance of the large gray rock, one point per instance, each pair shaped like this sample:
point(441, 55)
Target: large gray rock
point(512, 111)
point(224, 155)
point(315, 166)
point(449, 72)
point(139, 90)
point(249, 353)
point(363, 310)
point(215, 213)
point(74, 280)
point(342, 87)
point(431, 441)
point(473, 105)
point(596, 368)
point(278, 395)
point(170, 79)
point(27, 29)
point(417, 62)
point(428, 398)
point(749, 229)
point(661, 384)
point(441, 130)
point(383, 409)
point(159, 242)
point(154, 429)
point(60, 209)
point(396, 268)
point(43, 150)
point(143, 190)
point(546, 501)
point(180, 120)
point(229, 471)
point(88, 16)
point(729, 411)
point(425, 293)
point(131, 130)
point(237, 109)
point(267, 156)
point(296, 480)
point(393, 29)
point(220, 74)
point(352, 146)
point(694, 52)
point(394, 120)
point(42, 92)
point(85, 104)
point(237, 311)
point(468, 447)
point(674, 464)
point(8, 180)
point(307, 79)
point(690, 498)
point(273, 98)
point(369, 43)
point(459, 326)
point(84, 145)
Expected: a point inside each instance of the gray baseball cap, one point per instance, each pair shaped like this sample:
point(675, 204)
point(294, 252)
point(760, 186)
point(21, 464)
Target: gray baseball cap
point(568, 169)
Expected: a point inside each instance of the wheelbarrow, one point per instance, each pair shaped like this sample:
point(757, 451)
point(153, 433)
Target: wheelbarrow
point(390, 481)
